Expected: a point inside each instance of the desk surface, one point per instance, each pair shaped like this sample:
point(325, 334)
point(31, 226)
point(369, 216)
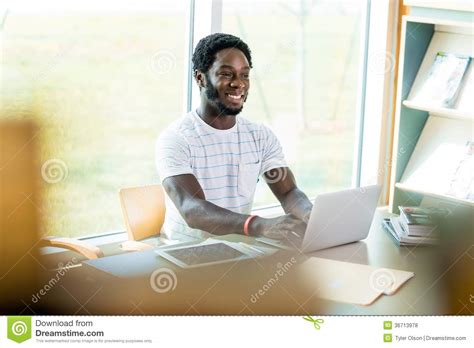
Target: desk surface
point(228, 288)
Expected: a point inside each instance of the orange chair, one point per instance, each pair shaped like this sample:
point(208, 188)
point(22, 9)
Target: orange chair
point(143, 211)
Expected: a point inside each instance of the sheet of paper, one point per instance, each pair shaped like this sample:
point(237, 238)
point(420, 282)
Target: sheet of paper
point(350, 282)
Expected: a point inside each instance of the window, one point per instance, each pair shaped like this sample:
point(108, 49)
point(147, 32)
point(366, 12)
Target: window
point(307, 58)
point(105, 79)
point(102, 81)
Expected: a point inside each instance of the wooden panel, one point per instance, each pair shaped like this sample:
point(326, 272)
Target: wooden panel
point(19, 207)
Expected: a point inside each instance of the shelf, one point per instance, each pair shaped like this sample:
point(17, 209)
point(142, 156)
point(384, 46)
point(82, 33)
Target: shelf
point(437, 154)
point(430, 139)
point(457, 5)
point(436, 157)
point(462, 201)
point(443, 112)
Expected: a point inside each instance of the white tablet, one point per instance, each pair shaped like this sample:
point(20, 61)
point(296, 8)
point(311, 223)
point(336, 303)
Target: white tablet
point(203, 254)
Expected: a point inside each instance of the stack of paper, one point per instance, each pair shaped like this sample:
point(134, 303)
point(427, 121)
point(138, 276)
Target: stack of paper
point(395, 229)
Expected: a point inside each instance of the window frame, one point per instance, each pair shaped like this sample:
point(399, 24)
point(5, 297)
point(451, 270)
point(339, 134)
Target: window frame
point(377, 132)
point(372, 132)
point(205, 17)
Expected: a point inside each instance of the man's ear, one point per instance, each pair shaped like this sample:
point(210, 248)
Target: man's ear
point(200, 78)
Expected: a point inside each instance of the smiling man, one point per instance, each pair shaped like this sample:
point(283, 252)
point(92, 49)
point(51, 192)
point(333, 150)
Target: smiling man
point(210, 160)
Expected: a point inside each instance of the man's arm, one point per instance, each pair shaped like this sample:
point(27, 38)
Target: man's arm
point(283, 185)
point(188, 196)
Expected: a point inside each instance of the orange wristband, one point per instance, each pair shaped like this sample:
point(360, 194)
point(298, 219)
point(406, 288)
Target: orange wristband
point(247, 223)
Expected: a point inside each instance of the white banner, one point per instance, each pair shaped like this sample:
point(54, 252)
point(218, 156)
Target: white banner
point(253, 331)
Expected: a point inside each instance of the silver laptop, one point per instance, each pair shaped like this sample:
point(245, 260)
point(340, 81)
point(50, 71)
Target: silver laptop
point(337, 218)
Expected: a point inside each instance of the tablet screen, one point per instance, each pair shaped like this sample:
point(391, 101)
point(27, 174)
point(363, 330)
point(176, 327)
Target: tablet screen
point(206, 253)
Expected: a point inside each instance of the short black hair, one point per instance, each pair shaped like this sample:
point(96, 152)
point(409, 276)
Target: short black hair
point(206, 49)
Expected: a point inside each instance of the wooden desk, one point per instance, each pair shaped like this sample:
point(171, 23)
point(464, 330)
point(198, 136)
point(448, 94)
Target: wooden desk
point(122, 283)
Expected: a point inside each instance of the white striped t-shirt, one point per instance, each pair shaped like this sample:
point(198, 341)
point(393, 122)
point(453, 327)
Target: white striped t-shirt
point(226, 163)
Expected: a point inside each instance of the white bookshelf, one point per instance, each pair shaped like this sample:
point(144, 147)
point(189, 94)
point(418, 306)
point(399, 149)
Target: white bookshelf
point(429, 141)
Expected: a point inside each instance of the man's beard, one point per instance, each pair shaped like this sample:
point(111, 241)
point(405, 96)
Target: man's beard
point(212, 95)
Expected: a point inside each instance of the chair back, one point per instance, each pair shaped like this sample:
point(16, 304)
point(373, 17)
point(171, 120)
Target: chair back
point(143, 210)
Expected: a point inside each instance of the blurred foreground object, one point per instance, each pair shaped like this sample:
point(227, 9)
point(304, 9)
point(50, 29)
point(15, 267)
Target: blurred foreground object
point(457, 271)
point(18, 215)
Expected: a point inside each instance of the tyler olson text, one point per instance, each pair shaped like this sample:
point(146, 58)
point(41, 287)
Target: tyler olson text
point(429, 338)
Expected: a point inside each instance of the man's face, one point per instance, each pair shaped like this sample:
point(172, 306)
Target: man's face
point(228, 81)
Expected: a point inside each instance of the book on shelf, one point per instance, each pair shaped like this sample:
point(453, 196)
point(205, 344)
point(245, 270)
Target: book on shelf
point(387, 226)
point(421, 221)
point(394, 228)
point(443, 81)
point(462, 183)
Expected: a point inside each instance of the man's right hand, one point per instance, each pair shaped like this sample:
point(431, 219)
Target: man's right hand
point(287, 227)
